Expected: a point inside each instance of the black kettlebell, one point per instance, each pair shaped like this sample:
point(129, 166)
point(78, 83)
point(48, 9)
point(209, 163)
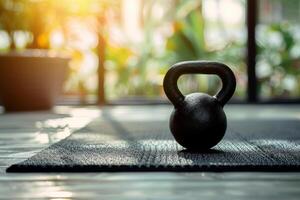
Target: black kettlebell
point(198, 121)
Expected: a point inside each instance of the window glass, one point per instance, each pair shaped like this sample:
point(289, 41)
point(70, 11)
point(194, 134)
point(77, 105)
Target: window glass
point(278, 42)
point(153, 35)
point(139, 39)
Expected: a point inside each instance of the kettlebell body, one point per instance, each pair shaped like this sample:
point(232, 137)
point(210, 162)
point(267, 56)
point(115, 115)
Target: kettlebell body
point(198, 121)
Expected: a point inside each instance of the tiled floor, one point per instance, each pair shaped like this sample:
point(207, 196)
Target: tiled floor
point(24, 134)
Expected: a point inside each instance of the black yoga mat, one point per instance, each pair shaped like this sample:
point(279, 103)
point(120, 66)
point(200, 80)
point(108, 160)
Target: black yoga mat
point(107, 145)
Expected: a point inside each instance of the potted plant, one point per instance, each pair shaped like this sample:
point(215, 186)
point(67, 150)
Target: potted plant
point(30, 78)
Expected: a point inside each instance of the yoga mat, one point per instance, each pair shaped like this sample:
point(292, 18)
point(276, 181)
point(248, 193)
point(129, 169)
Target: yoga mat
point(109, 145)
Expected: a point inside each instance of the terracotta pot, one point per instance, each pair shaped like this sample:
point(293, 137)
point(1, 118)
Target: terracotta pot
point(31, 80)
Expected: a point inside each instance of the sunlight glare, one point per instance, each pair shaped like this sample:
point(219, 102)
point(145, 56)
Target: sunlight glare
point(56, 39)
point(42, 138)
point(229, 11)
point(131, 17)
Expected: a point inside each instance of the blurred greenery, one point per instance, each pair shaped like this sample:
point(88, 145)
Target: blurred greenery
point(169, 31)
point(39, 22)
point(141, 72)
point(279, 60)
point(189, 43)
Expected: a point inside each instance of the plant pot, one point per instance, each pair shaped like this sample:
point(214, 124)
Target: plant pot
point(31, 79)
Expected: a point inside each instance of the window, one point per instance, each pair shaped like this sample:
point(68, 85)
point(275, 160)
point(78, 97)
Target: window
point(157, 34)
point(121, 50)
point(278, 42)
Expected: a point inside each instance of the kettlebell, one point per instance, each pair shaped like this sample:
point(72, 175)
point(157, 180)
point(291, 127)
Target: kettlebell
point(198, 121)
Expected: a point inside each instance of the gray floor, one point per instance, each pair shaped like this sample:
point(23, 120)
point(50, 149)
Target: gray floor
point(24, 134)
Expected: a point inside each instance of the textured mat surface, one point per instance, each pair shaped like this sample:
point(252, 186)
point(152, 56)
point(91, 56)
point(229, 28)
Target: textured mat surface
point(110, 145)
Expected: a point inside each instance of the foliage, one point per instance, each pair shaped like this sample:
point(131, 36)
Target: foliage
point(39, 19)
point(22, 15)
point(188, 43)
point(140, 71)
point(136, 68)
point(279, 60)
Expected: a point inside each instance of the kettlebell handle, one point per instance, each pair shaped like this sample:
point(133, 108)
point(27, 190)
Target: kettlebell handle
point(199, 67)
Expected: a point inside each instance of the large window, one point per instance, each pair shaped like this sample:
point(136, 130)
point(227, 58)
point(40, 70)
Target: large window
point(153, 35)
point(122, 49)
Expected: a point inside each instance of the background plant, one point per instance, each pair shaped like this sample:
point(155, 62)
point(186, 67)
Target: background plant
point(169, 31)
point(279, 60)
